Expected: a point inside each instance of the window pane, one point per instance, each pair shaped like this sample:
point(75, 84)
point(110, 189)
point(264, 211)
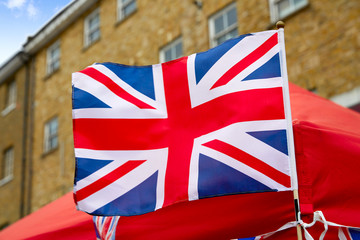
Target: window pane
point(221, 39)
point(53, 126)
point(53, 142)
point(51, 135)
point(54, 53)
point(229, 35)
point(93, 36)
point(283, 5)
point(56, 65)
point(92, 28)
point(129, 8)
point(178, 50)
point(94, 23)
point(219, 24)
point(223, 25)
point(7, 163)
point(168, 56)
point(231, 17)
point(53, 58)
point(10, 94)
point(233, 33)
point(299, 2)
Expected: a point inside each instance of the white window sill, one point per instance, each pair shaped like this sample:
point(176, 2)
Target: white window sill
point(8, 109)
point(6, 180)
point(288, 13)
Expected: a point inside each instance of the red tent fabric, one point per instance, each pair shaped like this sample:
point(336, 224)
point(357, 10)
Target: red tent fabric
point(327, 143)
point(57, 220)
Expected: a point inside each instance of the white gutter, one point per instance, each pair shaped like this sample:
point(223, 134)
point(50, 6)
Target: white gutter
point(57, 24)
point(12, 65)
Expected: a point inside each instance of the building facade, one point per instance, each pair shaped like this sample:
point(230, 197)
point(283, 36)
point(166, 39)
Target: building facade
point(37, 162)
point(13, 117)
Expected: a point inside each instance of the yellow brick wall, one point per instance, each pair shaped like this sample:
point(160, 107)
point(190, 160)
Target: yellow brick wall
point(11, 130)
point(323, 45)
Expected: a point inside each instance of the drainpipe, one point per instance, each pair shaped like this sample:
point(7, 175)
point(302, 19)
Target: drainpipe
point(26, 169)
point(32, 85)
point(24, 58)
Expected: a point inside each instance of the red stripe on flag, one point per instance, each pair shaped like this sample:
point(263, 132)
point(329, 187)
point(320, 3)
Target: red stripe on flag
point(250, 161)
point(106, 227)
point(107, 179)
point(146, 134)
point(116, 89)
point(346, 233)
point(247, 61)
point(120, 134)
point(180, 137)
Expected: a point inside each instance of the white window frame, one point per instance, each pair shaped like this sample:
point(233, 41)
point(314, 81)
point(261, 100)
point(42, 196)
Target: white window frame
point(121, 5)
point(348, 99)
point(213, 36)
point(274, 10)
point(87, 31)
point(11, 95)
point(49, 135)
point(171, 47)
point(7, 166)
point(53, 61)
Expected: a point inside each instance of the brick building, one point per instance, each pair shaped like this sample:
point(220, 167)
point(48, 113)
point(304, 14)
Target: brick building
point(37, 161)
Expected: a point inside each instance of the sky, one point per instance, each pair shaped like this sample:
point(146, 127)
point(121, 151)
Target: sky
point(22, 18)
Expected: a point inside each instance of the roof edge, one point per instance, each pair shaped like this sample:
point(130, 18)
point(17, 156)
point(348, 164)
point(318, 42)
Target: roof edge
point(56, 25)
point(12, 65)
point(47, 33)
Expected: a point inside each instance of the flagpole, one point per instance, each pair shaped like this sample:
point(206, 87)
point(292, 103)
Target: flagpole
point(280, 25)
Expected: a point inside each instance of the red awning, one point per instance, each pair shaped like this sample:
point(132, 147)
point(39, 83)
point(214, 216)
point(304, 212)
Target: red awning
point(57, 220)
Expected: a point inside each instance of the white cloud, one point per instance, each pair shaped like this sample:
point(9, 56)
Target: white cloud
point(15, 3)
point(32, 11)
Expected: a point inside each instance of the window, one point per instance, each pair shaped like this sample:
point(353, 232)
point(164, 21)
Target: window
point(172, 51)
point(125, 8)
point(280, 9)
point(350, 99)
point(92, 28)
point(53, 58)
point(7, 165)
point(223, 25)
point(10, 97)
point(51, 135)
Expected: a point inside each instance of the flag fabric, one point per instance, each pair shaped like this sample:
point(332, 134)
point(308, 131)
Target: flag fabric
point(210, 124)
point(105, 227)
point(349, 233)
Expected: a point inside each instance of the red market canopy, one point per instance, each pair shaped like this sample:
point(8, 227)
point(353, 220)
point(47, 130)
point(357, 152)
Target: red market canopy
point(327, 145)
point(57, 220)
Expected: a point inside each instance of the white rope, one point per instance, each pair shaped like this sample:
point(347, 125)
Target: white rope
point(318, 217)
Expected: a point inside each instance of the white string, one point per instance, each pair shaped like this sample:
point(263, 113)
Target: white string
point(318, 217)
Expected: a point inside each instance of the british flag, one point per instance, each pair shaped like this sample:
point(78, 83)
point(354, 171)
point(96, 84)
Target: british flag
point(105, 227)
point(206, 125)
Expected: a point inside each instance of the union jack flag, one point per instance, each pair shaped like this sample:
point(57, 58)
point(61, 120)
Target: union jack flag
point(105, 227)
point(209, 124)
point(349, 233)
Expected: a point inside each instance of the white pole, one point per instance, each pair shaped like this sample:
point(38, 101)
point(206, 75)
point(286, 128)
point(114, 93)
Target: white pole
point(290, 136)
